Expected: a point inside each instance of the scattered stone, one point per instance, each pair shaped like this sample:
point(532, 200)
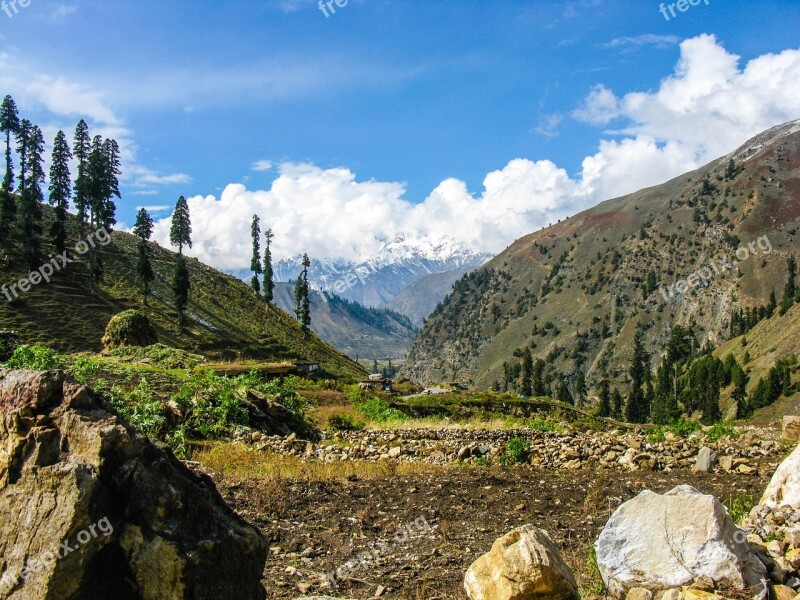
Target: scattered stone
point(524, 564)
point(668, 541)
point(782, 592)
point(639, 594)
point(784, 488)
point(706, 460)
point(791, 428)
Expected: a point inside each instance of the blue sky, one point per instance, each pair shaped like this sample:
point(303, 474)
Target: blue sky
point(411, 93)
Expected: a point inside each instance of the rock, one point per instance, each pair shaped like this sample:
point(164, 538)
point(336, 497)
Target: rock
point(698, 595)
point(782, 592)
point(395, 452)
point(137, 522)
point(668, 541)
point(129, 328)
point(639, 594)
point(791, 428)
point(706, 461)
point(524, 564)
point(670, 595)
point(784, 487)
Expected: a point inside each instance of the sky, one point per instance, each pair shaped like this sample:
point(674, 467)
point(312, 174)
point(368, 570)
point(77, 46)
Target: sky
point(481, 120)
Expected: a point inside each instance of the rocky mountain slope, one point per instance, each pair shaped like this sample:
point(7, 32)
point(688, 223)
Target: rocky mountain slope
point(686, 252)
point(419, 299)
point(378, 280)
point(359, 332)
point(225, 317)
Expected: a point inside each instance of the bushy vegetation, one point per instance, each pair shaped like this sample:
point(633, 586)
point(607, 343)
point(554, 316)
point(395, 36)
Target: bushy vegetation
point(129, 328)
point(517, 451)
point(158, 355)
point(37, 357)
point(380, 411)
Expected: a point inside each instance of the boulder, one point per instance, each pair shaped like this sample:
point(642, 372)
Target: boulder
point(784, 487)
point(93, 509)
point(706, 461)
point(129, 328)
point(667, 541)
point(791, 428)
point(524, 564)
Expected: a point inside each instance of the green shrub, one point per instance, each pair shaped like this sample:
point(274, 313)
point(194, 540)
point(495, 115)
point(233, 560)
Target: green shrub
point(84, 367)
point(35, 358)
point(740, 506)
point(720, 430)
point(344, 423)
point(129, 328)
point(380, 411)
point(684, 427)
point(517, 451)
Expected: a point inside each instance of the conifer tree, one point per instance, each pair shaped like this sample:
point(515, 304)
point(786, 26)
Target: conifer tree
point(9, 124)
point(302, 307)
point(60, 190)
point(616, 405)
point(527, 373)
point(81, 149)
point(637, 409)
point(102, 172)
point(180, 233)
point(580, 390)
point(269, 284)
point(143, 229)
point(180, 288)
point(604, 394)
point(255, 261)
point(740, 394)
point(31, 151)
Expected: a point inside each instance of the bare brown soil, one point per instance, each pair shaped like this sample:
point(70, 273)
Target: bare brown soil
point(315, 527)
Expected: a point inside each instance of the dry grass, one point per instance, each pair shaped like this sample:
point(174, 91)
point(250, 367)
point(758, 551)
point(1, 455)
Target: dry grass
point(238, 461)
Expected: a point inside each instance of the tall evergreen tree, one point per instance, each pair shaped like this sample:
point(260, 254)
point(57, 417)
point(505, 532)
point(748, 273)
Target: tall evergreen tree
point(9, 124)
point(107, 208)
point(302, 307)
point(527, 373)
point(617, 403)
point(538, 387)
point(740, 394)
point(143, 229)
point(60, 190)
point(580, 389)
point(31, 151)
point(637, 409)
point(269, 284)
point(180, 233)
point(604, 395)
point(180, 288)
point(255, 261)
point(81, 149)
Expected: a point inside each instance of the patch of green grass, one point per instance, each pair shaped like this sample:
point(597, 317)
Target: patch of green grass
point(380, 411)
point(740, 506)
point(37, 357)
point(543, 425)
point(158, 355)
point(720, 430)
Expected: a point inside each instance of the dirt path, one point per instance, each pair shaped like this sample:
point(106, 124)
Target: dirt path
point(316, 527)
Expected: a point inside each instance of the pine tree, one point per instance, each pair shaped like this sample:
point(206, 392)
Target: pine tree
point(180, 288)
point(269, 284)
point(527, 373)
point(604, 394)
point(60, 190)
point(562, 393)
point(537, 379)
point(637, 409)
point(110, 183)
point(255, 261)
point(81, 149)
point(143, 229)
point(375, 367)
point(180, 233)
point(580, 389)
point(740, 394)
point(616, 405)
point(31, 151)
point(302, 308)
point(9, 124)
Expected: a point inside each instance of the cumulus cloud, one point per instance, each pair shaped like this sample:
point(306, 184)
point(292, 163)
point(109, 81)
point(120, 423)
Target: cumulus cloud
point(636, 42)
point(706, 108)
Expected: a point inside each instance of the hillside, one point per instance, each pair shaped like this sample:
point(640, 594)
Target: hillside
point(419, 299)
point(225, 317)
point(575, 292)
point(359, 332)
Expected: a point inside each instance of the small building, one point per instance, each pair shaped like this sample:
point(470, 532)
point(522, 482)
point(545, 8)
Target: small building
point(381, 384)
point(306, 367)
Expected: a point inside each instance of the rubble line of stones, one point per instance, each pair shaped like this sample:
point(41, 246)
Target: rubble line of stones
point(548, 450)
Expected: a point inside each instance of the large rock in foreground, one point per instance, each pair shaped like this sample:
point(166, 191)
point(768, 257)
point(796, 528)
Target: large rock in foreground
point(784, 487)
point(524, 564)
point(660, 542)
point(92, 509)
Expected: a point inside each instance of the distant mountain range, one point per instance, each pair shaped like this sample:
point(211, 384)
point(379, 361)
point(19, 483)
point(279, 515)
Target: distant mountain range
point(378, 280)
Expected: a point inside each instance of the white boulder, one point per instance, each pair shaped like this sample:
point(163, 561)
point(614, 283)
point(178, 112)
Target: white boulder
point(784, 487)
point(659, 542)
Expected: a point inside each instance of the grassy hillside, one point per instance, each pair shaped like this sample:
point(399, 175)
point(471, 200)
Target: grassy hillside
point(225, 318)
point(575, 292)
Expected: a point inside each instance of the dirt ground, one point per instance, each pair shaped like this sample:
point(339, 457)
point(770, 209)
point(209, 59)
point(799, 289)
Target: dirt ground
point(316, 527)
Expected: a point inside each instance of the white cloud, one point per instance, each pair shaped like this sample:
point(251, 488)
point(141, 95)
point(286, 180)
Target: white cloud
point(155, 208)
point(648, 39)
point(262, 165)
point(707, 108)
